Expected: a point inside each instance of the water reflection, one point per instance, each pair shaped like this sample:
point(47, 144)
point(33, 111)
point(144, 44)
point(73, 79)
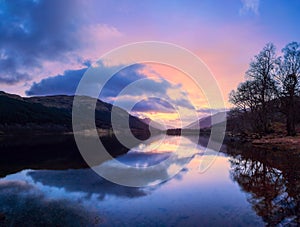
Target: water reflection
point(151, 163)
point(73, 196)
point(25, 204)
point(273, 186)
point(85, 181)
point(242, 190)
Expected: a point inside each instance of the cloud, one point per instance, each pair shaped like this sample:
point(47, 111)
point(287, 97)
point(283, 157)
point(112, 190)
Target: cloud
point(120, 80)
point(34, 31)
point(151, 95)
point(67, 82)
point(250, 5)
point(23, 202)
point(91, 183)
point(61, 84)
point(9, 73)
point(153, 105)
point(101, 32)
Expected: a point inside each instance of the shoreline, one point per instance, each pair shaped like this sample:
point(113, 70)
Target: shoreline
point(278, 142)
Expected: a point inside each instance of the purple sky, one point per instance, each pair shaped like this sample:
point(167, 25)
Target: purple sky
point(59, 39)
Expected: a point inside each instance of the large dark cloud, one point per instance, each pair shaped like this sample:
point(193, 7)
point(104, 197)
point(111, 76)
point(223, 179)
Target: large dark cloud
point(32, 31)
point(61, 84)
point(120, 80)
point(68, 82)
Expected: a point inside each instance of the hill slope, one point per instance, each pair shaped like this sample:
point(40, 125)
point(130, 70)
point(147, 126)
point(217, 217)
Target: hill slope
point(206, 122)
point(54, 113)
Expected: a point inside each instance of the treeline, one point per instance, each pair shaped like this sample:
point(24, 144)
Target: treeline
point(270, 92)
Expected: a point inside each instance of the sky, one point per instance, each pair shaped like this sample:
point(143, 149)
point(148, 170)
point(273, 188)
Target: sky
point(47, 45)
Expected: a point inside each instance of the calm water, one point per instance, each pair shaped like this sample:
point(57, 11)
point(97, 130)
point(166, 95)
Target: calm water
point(233, 191)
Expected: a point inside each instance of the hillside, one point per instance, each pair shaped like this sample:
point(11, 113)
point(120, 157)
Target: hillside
point(206, 122)
point(54, 114)
point(204, 125)
point(15, 112)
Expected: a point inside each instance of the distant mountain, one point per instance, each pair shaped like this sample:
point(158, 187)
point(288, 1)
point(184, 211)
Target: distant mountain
point(204, 125)
point(206, 122)
point(54, 113)
point(155, 124)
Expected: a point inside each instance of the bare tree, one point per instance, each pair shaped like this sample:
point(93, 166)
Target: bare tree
point(262, 70)
point(246, 99)
point(289, 78)
point(254, 96)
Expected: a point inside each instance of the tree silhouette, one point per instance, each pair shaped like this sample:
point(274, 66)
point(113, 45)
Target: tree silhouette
point(261, 71)
point(272, 88)
point(256, 93)
point(289, 76)
point(246, 99)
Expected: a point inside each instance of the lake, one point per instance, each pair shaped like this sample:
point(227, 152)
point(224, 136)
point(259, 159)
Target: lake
point(236, 189)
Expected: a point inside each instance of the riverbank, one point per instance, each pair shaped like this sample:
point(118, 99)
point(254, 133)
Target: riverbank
point(277, 142)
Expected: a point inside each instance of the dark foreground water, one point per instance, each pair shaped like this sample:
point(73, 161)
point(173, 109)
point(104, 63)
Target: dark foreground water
point(235, 190)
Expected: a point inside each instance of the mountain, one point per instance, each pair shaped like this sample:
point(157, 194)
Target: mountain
point(155, 124)
point(206, 122)
point(54, 114)
point(15, 112)
point(204, 125)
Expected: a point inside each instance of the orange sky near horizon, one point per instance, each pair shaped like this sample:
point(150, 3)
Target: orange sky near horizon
point(183, 87)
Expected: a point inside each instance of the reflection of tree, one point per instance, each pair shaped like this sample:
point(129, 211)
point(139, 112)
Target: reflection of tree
point(275, 194)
